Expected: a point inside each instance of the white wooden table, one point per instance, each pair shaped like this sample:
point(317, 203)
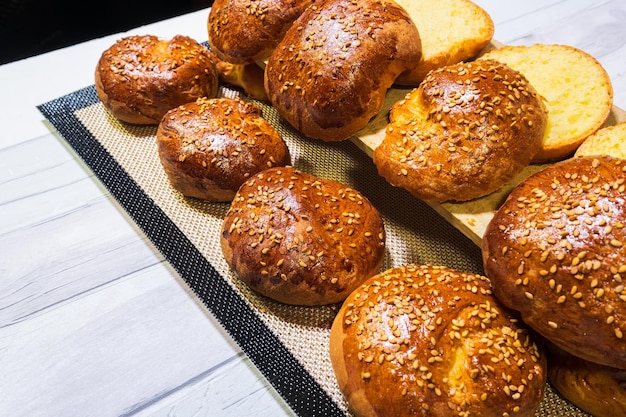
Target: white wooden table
point(93, 321)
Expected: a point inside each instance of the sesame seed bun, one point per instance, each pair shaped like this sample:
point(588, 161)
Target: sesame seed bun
point(301, 239)
point(555, 251)
point(467, 130)
point(140, 78)
point(422, 340)
point(209, 147)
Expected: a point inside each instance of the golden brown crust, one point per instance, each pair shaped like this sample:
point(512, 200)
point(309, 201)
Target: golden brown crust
point(467, 130)
point(302, 239)
point(422, 340)
point(555, 252)
point(140, 78)
point(329, 75)
point(597, 389)
point(246, 31)
point(208, 148)
point(576, 88)
point(452, 31)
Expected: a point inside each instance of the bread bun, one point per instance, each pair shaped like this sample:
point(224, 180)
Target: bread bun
point(555, 251)
point(467, 130)
point(140, 78)
point(577, 90)
point(451, 31)
point(610, 140)
point(596, 389)
point(329, 75)
point(301, 239)
point(246, 31)
point(432, 341)
point(209, 147)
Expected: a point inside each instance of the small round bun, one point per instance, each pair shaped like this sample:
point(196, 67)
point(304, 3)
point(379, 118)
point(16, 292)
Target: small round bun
point(422, 340)
point(301, 239)
point(330, 73)
point(246, 31)
point(556, 252)
point(140, 78)
point(610, 140)
point(209, 147)
point(467, 130)
point(452, 31)
point(576, 88)
point(597, 389)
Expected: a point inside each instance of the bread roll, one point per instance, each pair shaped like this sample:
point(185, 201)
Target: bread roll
point(610, 140)
point(467, 130)
point(451, 31)
point(555, 251)
point(246, 31)
point(577, 90)
point(209, 147)
point(301, 239)
point(329, 75)
point(140, 78)
point(422, 340)
point(596, 389)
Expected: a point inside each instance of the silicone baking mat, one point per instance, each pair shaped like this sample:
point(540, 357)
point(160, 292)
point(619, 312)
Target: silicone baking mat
point(289, 345)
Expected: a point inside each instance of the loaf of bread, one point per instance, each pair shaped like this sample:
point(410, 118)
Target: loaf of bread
point(422, 340)
point(329, 74)
point(467, 130)
point(609, 140)
point(246, 31)
point(555, 251)
point(451, 31)
point(209, 147)
point(140, 78)
point(577, 90)
point(597, 389)
point(301, 239)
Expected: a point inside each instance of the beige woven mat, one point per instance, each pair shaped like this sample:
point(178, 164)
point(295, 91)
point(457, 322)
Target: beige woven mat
point(415, 233)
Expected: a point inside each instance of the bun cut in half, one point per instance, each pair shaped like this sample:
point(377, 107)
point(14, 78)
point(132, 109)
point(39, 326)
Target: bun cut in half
point(556, 252)
point(422, 340)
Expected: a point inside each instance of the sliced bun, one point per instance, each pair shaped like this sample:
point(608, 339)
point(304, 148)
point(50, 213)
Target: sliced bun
point(451, 31)
point(140, 78)
point(432, 341)
point(467, 130)
point(577, 90)
point(209, 147)
point(555, 251)
point(301, 239)
point(329, 75)
point(610, 140)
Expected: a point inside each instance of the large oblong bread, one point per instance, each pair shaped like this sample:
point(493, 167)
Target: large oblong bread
point(451, 31)
point(576, 88)
point(610, 140)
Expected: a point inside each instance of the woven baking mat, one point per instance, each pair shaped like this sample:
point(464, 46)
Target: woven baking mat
point(289, 345)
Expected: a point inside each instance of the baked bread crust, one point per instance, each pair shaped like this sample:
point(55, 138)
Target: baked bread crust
point(301, 239)
point(596, 389)
point(209, 147)
point(451, 31)
point(555, 251)
point(610, 140)
point(467, 130)
point(329, 75)
point(422, 340)
point(140, 78)
point(246, 31)
point(577, 91)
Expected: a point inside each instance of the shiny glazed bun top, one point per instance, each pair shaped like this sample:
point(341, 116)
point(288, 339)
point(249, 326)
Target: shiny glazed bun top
point(422, 340)
point(140, 78)
point(556, 252)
